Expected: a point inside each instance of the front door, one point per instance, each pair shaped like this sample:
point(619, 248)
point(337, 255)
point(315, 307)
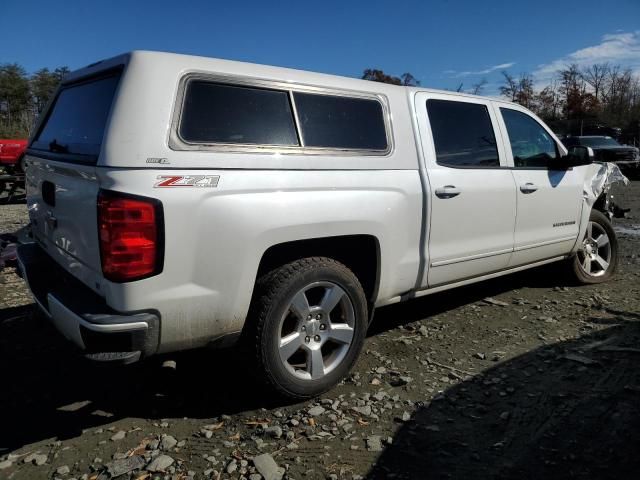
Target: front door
point(471, 198)
point(549, 198)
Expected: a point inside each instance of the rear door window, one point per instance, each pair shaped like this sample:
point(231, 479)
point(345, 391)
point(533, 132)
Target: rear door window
point(76, 122)
point(462, 134)
point(229, 114)
point(331, 121)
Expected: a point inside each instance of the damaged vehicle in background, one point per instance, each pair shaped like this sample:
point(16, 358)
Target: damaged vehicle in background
point(607, 149)
point(180, 202)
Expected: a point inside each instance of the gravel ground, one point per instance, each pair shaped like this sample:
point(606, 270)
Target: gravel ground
point(527, 376)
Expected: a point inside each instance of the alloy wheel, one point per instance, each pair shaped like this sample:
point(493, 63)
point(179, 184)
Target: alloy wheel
point(316, 330)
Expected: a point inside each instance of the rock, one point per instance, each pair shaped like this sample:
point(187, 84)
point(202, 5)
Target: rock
point(153, 444)
point(35, 458)
point(118, 436)
point(267, 467)
point(63, 470)
point(232, 466)
point(168, 442)
point(169, 364)
point(493, 301)
point(401, 380)
point(580, 359)
point(366, 410)
point(126, 465)
point(379, 396)
point(406, 416)
point(5, 464)
point(479, 355)
point(374, 443)
point(316, 411)
point(255, 476)
point(160, 463)
point(74, 407)
point(274, 431)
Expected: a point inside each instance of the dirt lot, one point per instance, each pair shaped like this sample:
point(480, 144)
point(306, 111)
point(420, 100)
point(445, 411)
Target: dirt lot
point(543, 383)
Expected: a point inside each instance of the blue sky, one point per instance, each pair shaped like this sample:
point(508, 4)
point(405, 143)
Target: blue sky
point(442, 43)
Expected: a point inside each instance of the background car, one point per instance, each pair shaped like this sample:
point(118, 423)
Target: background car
point(12, 154)
point(607, 149)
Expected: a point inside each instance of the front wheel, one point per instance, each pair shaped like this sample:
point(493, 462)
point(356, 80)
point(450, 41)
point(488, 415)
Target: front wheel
point(310, 320)
point(597, 257)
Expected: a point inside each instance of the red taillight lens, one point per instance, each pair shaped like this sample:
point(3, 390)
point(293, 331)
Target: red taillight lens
point(130, 236)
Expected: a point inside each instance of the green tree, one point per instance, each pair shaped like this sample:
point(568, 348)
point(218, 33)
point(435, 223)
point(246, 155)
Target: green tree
point(43, 84)
point(376, 75)
point(15, 100)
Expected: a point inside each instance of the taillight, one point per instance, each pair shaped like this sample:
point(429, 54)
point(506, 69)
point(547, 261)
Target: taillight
point(130, 230)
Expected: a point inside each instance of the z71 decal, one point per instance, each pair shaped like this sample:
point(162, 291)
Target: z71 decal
point(201, 181)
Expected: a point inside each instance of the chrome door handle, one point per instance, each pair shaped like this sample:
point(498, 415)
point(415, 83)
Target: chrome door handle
point(448, 191)
point(528, 188)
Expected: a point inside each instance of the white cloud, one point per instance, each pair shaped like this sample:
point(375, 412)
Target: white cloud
point(501, 66)
point(614, 48)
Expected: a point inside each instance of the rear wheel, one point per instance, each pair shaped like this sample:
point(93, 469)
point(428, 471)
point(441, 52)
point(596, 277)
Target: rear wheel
point(310, 321)
point(597, 257)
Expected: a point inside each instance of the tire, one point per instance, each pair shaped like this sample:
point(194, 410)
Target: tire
point(597, 258)
point(308, 322)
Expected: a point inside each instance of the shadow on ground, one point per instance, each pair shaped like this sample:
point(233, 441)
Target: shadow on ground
point(48, 390)
point(568, 410)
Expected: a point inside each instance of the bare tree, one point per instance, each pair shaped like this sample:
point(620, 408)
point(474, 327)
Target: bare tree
point(510, 87)
point(477, 88)
point(548, 102)
point(409, 80)
point(595, 76)
point(525, 95)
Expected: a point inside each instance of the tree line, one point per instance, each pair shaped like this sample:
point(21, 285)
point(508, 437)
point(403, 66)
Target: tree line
point(23, 97)
point(599, 99)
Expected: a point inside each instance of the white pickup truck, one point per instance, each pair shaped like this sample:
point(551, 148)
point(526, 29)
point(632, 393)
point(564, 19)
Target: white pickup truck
point(178, 202)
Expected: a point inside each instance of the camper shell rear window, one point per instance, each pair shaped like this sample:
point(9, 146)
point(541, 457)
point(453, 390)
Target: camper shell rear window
point(76, 121)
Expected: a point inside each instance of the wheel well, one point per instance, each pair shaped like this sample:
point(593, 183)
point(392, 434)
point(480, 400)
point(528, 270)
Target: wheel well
point(360, 253)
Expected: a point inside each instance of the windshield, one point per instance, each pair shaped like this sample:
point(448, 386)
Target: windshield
point(77, 119)
point(599, 142)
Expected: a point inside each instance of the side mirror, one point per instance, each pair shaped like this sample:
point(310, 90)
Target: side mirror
point(579, 155)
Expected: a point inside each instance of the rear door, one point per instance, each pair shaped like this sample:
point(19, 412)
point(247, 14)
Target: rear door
point(471, 196)
point(62, 186)
point(549, 198)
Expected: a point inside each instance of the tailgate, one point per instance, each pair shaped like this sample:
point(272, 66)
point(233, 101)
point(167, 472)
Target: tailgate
point(61, 199)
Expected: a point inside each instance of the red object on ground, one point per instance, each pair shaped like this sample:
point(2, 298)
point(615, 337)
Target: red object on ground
point(11, 151)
